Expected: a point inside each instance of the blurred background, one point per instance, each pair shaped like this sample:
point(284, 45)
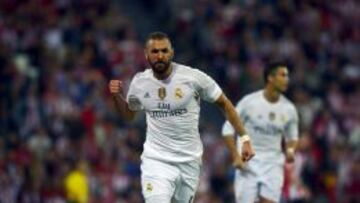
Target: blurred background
point(62, 141)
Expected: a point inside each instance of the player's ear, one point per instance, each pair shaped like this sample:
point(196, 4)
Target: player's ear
point(270, 78)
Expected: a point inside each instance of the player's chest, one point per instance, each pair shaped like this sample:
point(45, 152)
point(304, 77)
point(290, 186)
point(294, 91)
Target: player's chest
point(167, 96)
point(267, 116)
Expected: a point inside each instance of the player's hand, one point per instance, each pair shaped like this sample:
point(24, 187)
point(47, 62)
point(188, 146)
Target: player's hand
point(290, 156)
point(247, 151)
point(238, 161)
point(115, 86)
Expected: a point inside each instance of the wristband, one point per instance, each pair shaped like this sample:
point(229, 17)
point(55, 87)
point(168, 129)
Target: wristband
point(244, 138)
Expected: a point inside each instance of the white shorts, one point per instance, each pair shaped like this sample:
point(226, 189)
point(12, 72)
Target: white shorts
point(171, 181)
point(266, 181)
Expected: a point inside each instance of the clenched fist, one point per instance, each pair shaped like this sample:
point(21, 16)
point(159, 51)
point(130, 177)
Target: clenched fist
point(115, 86)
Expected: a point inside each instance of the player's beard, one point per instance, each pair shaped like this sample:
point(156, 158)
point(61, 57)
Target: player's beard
point(160, 67)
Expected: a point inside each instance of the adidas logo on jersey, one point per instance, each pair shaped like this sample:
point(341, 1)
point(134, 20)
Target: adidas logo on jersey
point(147, 95)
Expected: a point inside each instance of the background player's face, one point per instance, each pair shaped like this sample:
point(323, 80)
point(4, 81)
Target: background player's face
point(159, 54)
point(280, 80)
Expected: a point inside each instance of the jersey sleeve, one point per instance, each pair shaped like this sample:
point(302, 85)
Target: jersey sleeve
point(227, 128)
point(132, 97)
point(292, 128)
point(208, 89)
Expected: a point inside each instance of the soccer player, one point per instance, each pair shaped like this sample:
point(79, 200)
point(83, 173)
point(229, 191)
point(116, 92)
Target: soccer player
point(170, 94)
point(268, 117)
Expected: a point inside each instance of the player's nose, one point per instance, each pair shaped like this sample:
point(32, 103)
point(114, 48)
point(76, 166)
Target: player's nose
point(160, 55)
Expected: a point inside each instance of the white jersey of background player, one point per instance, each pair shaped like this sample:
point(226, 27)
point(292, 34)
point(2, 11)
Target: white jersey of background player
point(170, 93)
point(267, 116)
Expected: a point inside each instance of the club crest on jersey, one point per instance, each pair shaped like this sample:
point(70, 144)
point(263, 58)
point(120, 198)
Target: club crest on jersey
point(272, 116)
point(178, 93)
point(149, 187)
point(162, 93)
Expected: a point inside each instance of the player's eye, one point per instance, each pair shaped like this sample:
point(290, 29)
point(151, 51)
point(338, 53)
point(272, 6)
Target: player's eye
point(154, 51)
point(166, 50)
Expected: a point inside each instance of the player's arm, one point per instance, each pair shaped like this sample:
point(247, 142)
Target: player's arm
point(290, 150)
point(292, 133)
point(231, 115)
point(209, 90)
point(238, 160)
point(116, 90)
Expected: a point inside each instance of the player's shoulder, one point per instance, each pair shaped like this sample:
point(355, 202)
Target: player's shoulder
point(253, 96)
point(185, 69)
point(249, 98)
point(189, 73)
point(288, 103)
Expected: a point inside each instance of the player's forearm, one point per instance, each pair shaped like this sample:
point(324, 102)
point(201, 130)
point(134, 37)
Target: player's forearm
point(122, 107)
point(231, 145)
point(233, 118)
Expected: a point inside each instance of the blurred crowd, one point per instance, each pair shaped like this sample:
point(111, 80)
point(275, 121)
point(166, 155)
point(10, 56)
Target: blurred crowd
point(59, 128)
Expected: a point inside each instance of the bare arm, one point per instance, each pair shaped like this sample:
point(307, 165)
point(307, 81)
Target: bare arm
point(231, 115)
point(115, 87)
point(290, 150)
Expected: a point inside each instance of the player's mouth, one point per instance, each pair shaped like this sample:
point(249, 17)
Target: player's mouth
point(160, 66)
point(160, 63)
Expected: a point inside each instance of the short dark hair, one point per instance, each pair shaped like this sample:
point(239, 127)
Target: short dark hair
point(271, 68)
point(157, 36)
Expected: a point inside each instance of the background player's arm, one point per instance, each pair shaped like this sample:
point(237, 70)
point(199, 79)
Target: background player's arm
point(115, 87)
point(290, 150)
point(231, 115)
point(292, 133)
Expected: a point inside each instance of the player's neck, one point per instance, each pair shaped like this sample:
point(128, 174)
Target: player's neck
point(164, 75)
point(271, 94)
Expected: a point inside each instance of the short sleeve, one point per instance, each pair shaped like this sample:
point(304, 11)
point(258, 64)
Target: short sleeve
point(208, 89)
point(132, 97)
point(292, 128)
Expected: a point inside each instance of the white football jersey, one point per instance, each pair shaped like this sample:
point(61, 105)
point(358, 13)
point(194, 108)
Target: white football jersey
point(266, 123)
point(172, 108)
